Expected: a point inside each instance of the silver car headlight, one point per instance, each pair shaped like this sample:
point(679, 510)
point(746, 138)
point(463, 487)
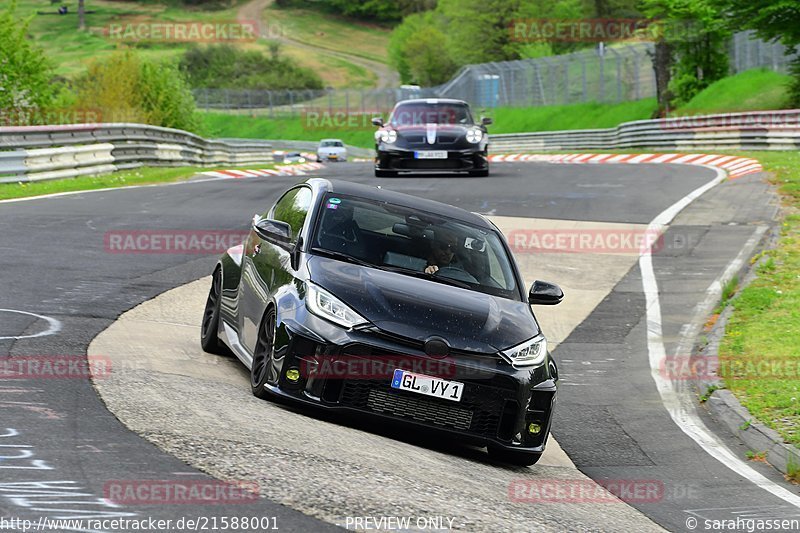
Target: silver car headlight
point(474, 135)
point(386, 136)
point(327, 306)
point(529, 353)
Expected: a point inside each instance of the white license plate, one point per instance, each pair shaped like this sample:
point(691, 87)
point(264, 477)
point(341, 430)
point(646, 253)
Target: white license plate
point(427, 385)
point(431, 154)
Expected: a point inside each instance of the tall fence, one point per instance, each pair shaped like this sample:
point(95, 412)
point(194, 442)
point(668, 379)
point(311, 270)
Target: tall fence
point(611, 74)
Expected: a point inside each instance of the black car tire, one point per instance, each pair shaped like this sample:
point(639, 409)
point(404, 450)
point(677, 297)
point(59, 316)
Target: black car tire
point(514, 457)
point(385, 173)
point(479, 173)
point(209, 340)
point(262, 357)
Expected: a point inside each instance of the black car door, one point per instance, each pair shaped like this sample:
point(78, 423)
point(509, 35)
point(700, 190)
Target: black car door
point(267, 265)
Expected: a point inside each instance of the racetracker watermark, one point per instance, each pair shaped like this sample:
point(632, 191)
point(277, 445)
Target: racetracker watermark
point(376, 366)
point(339, 119)
point(172, 492)
point(709, 368)
point(602, 30)
point(761, 119)
point(187, 31)
point(55, 367)
point(45, 117)
point(586, 491)
point(172, 241)
point(586, 241)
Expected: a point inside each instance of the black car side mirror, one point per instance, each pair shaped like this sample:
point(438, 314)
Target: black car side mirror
point(544, 293)
point(486, 121)
point(377, 121)
point(273, 230)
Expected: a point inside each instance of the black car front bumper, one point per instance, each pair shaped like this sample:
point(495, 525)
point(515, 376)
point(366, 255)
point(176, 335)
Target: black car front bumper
point(500, 405)
point(404, 160)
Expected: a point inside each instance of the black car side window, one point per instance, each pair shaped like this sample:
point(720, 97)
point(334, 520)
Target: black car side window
point(293, 208)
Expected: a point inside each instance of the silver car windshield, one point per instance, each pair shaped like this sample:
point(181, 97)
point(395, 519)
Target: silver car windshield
point(410, 241)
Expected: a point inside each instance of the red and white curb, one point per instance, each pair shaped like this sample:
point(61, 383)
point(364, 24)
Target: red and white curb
point(735, 166)
point(279, 170)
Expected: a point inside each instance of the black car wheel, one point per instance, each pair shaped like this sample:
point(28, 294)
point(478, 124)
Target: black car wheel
point(385, 173)
point(209, 340)
point(262, 359)
point(514, 457)
point(480, 173)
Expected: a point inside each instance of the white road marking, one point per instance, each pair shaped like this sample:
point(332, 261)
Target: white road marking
point(54, 326)
point(680, 408)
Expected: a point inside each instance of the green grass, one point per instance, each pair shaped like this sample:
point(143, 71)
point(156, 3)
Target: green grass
point(71, 50)
point(326, 31)
point(568, 117)
point(139, 176)
point(752, 90)
point(297, 128)
point(765, 324)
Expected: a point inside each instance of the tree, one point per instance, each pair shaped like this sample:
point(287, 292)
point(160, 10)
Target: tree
point(426, 62)
point(690, 51)
point(128, 88)
point(25, 72)
point(772, 20)
point(81, 15)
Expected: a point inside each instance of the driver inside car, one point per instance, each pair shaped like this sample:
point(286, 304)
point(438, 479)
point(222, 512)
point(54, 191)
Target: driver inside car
point(442, 251)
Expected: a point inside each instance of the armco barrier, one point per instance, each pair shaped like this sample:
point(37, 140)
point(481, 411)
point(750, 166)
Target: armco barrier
point(34, 153)
point(760, 130)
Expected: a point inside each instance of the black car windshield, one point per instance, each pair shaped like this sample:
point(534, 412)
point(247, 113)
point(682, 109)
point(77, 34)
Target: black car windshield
point(420, 113)
point(326, 144)
point(415, 243)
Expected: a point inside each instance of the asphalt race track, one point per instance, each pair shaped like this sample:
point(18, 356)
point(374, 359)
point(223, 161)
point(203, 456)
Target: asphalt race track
point(61, 448)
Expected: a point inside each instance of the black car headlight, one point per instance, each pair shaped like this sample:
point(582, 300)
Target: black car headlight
point(386, 136)
point(474, 135)
point(327, 306)
point(529, 353)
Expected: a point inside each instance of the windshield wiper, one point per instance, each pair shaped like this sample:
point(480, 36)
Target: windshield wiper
point(343, 257)
point(423, 275)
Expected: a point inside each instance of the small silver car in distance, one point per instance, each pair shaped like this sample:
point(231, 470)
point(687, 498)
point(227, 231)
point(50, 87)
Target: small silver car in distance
point(331, 150)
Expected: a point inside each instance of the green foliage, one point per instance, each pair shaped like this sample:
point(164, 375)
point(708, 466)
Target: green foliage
point(376, 10)
point(794, 85)
point(25, 73)
point(697, 38)
point(226, 67)
point(421, 56)
point(462, 32)
point(128, 88)
point(771, 20)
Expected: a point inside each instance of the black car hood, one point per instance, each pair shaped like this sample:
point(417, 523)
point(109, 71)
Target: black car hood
point(422, 129)
point(417, 309)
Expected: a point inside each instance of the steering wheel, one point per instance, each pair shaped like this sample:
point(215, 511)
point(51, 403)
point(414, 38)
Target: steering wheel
point(456, 274)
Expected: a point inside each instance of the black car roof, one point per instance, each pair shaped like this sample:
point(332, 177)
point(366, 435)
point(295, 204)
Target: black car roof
point(401, 199)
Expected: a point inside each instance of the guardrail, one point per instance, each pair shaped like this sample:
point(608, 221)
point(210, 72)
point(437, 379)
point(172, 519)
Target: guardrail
point(760, 130)
point(35, 153)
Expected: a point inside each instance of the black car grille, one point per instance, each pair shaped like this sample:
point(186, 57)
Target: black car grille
point(413, 164)
point(480, 412)
point(420, 410)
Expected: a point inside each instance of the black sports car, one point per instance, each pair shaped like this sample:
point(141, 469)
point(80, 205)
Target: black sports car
point(356, 298)
point(433, 135)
